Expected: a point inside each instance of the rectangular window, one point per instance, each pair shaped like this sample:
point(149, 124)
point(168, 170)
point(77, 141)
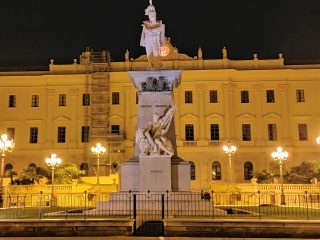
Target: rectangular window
point(35, 101)
point(137, 98)
point(115, 129)
point(62, 100)
point(188, 96)
point(213, 96)
point(303, 132)
point(12, 101)
point(61, 135)
point(270, 96)
point(246, 132)
point(33, 135)
point(245, 96)
point(189, 132)
point(115, 98)
point(214, 130)
point(85, 134)
point(272, 132)
point(86, 99)
point(300, 95)
point(10, 133)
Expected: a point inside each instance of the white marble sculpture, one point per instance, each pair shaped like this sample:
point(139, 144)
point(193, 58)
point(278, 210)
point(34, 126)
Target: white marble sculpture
point(153, 36)
point(152, 139)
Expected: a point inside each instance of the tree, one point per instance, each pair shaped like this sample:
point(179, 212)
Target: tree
point(66, 174)
point(10, 173)
point(28, 176)
point(303, 173)
point(42, 172)
point(268, 175)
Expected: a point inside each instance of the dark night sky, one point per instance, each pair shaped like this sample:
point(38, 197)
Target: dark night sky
point(33, 31)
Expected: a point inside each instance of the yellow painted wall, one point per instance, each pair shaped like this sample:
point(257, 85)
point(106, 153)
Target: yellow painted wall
point(229, 113)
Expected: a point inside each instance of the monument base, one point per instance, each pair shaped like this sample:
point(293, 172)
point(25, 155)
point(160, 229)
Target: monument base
point(180, 177)
point(155, 173)
point(128, 177)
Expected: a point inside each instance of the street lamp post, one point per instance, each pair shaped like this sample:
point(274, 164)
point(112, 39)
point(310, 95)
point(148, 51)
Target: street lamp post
point(280, 156)
point(229, 150)
point(5, 146)
point(98, 150)
point(52, 162)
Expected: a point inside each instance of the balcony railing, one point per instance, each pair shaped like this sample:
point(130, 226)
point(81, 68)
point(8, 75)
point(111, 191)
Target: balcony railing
point(189, 143)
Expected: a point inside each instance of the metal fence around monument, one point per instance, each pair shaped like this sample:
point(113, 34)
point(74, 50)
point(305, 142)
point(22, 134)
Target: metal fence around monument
point(160, 205)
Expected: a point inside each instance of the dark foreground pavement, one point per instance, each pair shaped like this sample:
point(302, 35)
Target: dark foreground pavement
point(123, 228)
point(140, 238)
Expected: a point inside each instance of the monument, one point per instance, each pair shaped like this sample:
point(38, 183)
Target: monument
point(152, 36)
point(155, 166)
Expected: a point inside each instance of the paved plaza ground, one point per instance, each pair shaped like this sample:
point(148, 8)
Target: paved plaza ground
point(140, 238)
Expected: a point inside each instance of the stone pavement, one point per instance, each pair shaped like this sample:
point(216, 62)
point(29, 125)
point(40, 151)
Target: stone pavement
point(140, 238)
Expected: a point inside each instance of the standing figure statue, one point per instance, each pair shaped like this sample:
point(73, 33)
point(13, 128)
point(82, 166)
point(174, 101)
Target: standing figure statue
point(152, 140)
point(153, 36)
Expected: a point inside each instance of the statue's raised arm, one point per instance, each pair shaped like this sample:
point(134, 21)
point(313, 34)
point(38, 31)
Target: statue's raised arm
point(166, 119)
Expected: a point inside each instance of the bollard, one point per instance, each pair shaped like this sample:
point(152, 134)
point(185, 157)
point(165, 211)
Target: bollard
point(85, 204)
point(40, 208)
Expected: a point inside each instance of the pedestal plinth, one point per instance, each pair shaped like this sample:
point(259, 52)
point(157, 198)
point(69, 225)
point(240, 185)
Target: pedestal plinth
point(130, 176)
point(155, 173)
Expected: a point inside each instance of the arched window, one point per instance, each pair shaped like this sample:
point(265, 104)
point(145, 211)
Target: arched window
point(216, 170)
point(192, 170)
point(32, 165)
point(85, 167)
point(7, 169)
point(248, 170)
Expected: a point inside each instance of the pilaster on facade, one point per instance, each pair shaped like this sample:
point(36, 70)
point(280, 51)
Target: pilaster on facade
point(127, 113)
point(258, 96)
point(228, 110)
point(49, 119)
point(287, 138)
point(73, 127)
point(176, 101)
point(202, 126)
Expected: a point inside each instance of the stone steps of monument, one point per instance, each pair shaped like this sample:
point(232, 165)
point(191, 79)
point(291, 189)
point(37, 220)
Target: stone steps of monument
point(174, 205)
point(170, 196)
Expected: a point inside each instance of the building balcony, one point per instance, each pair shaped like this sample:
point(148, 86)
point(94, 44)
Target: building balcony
point(215, 143)
point(189, 143)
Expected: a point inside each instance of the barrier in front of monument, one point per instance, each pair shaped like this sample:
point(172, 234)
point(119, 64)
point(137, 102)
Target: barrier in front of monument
point(148, 214)
point(154, 207)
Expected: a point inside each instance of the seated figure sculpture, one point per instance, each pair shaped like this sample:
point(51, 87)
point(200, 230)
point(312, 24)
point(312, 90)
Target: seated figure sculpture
point(152, 140)
point(152, 37)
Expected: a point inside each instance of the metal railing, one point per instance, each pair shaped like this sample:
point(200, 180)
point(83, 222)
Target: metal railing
point(179, 205)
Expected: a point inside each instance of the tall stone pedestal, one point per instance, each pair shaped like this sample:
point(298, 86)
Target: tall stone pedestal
point(155, 172)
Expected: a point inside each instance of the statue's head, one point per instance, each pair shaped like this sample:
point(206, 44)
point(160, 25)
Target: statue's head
point(152, 16)
point(156, 117)
point(151, 12)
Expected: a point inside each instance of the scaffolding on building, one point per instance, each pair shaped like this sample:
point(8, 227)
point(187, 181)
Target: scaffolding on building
point(98, 85)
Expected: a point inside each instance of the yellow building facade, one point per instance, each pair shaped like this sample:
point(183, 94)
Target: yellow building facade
point(254, 104)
